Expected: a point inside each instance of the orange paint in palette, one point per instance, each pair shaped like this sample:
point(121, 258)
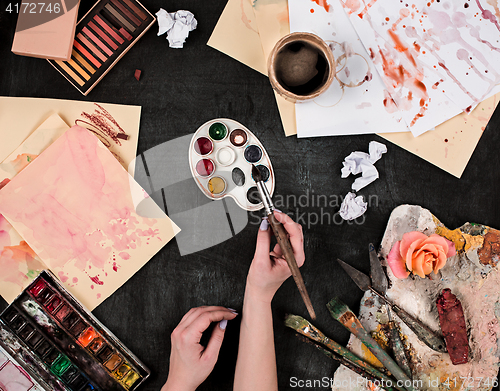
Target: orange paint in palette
point(69, 349)
point(102, 37)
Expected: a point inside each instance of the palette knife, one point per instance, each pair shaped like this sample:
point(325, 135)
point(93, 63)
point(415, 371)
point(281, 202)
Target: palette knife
point(423, 332)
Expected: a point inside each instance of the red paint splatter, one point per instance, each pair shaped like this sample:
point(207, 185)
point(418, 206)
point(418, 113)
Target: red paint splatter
point(96, 280)
point(312, 11)
point(62, 277)
point(75, 280)
point(92, 287)
point(98, 295)
point(115, 267)
point(103, 124)
point(323, 3)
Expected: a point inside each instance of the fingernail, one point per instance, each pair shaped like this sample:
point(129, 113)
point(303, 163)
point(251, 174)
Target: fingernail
point(277, 210)
point(223, 324)
point(264, 225)
point(233, 311)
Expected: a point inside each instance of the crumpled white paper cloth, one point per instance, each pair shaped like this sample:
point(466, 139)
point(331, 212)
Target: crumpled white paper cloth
point(177, 25)
point(362, 162)
point(352, 207)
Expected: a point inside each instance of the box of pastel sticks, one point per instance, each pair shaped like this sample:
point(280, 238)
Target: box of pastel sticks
point(102, 37)
point(49, 341)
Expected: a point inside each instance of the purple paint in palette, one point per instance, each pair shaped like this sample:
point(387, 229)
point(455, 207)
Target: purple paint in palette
point(62, 346)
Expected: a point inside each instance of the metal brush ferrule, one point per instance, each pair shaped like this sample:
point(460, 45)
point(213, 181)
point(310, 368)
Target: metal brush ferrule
point(266, 197)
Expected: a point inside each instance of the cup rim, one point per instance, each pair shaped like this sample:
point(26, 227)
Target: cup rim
point(314, 40)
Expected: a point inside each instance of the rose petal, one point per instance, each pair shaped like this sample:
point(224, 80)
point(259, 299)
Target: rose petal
point(451, 249)
point(408, 239)
point(409, 255)
point(429, 260)
point(430, 247)
point(396, 263)
point(440, 262)
point(417, 264)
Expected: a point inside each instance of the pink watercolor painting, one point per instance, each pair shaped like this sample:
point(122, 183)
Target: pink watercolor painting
point(74, 207)
point(431, 55)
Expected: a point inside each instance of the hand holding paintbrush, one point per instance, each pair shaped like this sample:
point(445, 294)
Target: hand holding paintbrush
point(284, 248)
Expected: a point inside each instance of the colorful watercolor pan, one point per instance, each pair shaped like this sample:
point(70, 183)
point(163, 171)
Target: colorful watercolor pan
point(221, 155)
point(102, 37)
point(66, 346)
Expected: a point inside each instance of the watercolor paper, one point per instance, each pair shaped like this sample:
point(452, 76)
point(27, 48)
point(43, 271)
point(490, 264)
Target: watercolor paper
point(18, 262)
point(19, 117)
point(357, 100)
point(74, 207)
point(435, 57)
point(449, 146)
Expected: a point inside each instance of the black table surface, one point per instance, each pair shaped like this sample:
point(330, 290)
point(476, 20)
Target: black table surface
point(179, 90)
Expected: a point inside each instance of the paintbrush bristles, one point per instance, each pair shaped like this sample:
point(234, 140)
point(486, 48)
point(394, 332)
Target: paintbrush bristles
point(256, 174)
point(337, 308)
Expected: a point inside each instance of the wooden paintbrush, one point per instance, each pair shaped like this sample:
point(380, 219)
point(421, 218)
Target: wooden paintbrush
point(304, 327)
point(341, 312)
point(282, 239)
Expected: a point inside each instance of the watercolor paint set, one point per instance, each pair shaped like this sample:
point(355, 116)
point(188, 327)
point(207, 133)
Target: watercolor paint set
point(102, 37)
point(62, 346)
point(221, 155)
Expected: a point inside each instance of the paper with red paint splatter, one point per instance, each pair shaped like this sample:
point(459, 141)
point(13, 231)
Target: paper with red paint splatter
point(18, 262)
point(74, 206)
point(434, 57)
point(357, 102)
point(19, 117)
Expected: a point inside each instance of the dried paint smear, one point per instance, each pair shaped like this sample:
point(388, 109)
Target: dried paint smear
point(472, 275)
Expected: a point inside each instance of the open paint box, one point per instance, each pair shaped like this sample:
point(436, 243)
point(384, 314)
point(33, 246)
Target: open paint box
point(221, 154)
point(49, 341)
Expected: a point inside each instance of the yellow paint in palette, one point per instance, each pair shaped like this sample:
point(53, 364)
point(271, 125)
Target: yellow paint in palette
point(122, 370)
point(70, 72)
point(130, 379)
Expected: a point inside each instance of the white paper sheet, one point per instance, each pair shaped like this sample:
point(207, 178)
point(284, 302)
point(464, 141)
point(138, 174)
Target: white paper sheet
point(177, 25)
point(436, 58)
point(357, 102)
point(352, 207)
point(363, 163)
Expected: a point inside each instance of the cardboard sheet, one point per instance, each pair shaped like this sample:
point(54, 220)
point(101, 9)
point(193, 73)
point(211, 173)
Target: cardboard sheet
point(238, 20)
point(19, 117)
point(74, 207)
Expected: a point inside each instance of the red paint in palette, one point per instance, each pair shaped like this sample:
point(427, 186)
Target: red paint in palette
point(89, 56)
point(87, 337)
point(205, 167)
point(37, 288)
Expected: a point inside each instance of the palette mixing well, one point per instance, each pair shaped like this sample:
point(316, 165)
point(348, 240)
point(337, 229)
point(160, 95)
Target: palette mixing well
point(221, 155)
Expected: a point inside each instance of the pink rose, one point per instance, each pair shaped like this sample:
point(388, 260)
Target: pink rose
point(420, 254)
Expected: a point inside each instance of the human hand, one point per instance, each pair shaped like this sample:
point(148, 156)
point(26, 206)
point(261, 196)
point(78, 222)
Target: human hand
point(269, 269)
point(190, 362)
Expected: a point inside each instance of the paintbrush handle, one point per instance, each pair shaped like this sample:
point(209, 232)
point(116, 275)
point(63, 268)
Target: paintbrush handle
point(286, 248)
point(423, 333)
point(310, 331)
point(348, 364)
point(346, 317)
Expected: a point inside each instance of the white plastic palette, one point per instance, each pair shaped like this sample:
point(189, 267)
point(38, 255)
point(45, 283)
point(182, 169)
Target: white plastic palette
point(221, 154)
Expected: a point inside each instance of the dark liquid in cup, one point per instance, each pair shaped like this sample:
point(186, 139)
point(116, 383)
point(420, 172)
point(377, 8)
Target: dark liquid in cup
point(301, 68)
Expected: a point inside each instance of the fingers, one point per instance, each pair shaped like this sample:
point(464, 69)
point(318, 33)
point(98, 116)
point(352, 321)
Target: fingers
point(194, 313)
point(263, 243)
point(215, 342)
point(205, 317)
point(296, 236)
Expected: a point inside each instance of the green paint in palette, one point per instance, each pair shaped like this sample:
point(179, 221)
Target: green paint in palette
point(60, 365)
point(217, 131)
